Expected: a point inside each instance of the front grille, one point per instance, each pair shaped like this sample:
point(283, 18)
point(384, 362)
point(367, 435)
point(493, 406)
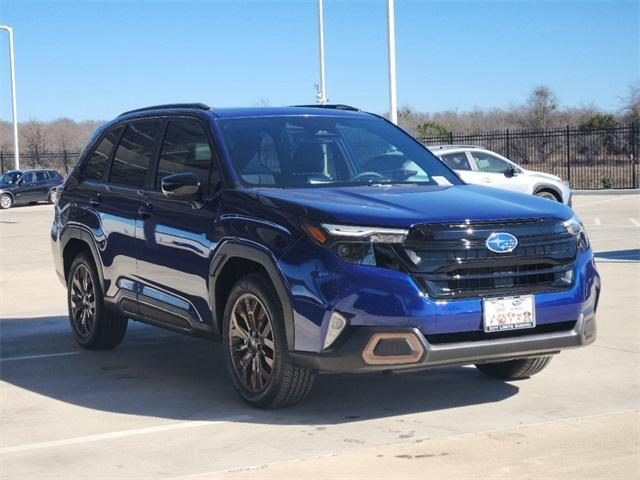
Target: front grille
point(452, 260)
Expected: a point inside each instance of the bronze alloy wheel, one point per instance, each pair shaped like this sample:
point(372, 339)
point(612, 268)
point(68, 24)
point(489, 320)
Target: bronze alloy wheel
point(251, 342)
point(83, 301)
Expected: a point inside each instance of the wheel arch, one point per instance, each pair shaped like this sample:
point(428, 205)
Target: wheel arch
point(73, 241)
point(232, 261)
point(544, 187)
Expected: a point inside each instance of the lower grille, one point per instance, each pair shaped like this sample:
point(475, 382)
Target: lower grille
point(479, 335)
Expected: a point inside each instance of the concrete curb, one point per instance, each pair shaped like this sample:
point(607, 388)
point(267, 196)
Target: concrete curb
point(611, 191)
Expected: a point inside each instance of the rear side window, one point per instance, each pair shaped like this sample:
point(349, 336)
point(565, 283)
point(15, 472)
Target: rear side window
point(185, 148)
point(457, 161)
point(96, 164)
point(133, 156)
point(41, 177)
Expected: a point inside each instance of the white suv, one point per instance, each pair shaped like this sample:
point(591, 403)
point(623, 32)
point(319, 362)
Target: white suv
point(483, 167)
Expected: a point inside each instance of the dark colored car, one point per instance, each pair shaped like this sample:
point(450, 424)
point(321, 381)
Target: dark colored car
point(29, 186)
point(314, 240)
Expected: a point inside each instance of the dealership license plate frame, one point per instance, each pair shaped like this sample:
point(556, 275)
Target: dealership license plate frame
point(500, 314)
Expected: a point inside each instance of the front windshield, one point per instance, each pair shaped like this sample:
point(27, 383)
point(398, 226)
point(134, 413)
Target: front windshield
point(10, 177)
point(308, 151)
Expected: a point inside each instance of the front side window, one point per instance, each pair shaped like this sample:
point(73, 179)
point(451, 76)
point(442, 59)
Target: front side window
point(306, 151)
point(185, 148)
point(96, 164)
point(29, 177)
point(457, 161)
point(490, 163)
point(133, 155)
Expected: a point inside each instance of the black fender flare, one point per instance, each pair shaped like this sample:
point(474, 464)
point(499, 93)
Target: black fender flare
point(259, 254)
point(78, 233)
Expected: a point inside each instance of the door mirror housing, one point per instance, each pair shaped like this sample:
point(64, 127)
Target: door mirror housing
point(510, 172)
point(182, 186)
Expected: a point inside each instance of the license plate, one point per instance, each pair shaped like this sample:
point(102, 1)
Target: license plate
point(509, 313)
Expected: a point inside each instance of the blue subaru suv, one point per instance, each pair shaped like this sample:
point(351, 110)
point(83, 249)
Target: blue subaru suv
point(313, 240)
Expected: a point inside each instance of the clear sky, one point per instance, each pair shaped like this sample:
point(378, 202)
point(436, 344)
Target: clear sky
point(95, 59)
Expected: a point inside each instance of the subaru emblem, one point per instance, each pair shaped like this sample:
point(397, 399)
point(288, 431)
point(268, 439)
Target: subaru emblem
point(501, 242)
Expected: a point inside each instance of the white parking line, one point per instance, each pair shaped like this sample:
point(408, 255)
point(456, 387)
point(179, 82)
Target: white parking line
point(634, 221)
point(597, 222)
point(34, 357)
point(121, 434)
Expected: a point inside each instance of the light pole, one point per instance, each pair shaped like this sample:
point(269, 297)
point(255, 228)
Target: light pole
point(16, 151)
point(391, 40)
point(321, 95)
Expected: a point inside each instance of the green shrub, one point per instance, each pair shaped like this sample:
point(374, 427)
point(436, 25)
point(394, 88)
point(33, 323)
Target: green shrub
point(606, 182)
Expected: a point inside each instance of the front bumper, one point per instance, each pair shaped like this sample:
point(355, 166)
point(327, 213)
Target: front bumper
point(350, 354)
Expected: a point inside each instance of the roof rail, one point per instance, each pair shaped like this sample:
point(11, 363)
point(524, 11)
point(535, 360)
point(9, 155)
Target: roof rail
point(193, 106)
point(453, 145)
point(334, 106)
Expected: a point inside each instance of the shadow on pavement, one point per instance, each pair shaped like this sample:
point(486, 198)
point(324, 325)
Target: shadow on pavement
point(160, 374)
point(631, 255)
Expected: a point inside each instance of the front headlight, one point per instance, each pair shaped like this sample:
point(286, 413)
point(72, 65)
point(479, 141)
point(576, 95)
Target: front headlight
point(361, 245)
point(575, 227)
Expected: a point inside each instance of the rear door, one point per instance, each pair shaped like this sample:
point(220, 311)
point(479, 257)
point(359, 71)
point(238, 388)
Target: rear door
point(41, 190)
point(120, 202)
point(176, 244)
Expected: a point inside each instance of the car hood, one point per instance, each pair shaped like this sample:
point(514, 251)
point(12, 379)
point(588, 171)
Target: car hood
point(6, 186)
point(407, 205)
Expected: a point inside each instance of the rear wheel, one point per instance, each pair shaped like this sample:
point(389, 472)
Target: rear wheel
point(514, 369)
point(256, 349)
point(93, 327)
point(6, 201)
point(53, 194)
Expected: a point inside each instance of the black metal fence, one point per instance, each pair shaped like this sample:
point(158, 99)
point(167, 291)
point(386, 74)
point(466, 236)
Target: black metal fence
point(63, 161)
point(588, 158)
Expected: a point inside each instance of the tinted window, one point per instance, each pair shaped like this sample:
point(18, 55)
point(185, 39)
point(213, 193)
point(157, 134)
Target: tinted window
point(41, 177)
point(185, 148)
point(457, 161)
point(29, 177)
point(489, 163)
point(96, 164)
point(305, 151)
point(133, 156)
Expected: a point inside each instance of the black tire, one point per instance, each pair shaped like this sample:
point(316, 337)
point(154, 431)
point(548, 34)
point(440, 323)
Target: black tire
point(287, 384)
point(514, 369)
point(6, 201)
point(100, 329)
point(548, 195)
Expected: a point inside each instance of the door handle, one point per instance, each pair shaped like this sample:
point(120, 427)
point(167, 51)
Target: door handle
point(95, 200)
point(486, 180)
point(146, 210)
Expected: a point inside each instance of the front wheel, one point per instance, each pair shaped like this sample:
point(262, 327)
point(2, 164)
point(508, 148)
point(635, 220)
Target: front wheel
point(548, 196)
point(514, 369)
point(94, 328)
point(256, 349)
point(6, 201)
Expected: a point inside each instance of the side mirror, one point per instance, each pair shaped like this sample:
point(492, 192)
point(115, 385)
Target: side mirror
point(182, 186)
point(510, 172)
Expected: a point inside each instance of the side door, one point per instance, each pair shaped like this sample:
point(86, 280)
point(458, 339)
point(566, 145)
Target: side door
point(41, 191)
point(176, 246)
point(119, 204)
point(27, 185)
point(491, 170)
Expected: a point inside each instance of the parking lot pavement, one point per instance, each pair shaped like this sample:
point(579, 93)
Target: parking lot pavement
point(161, 406)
